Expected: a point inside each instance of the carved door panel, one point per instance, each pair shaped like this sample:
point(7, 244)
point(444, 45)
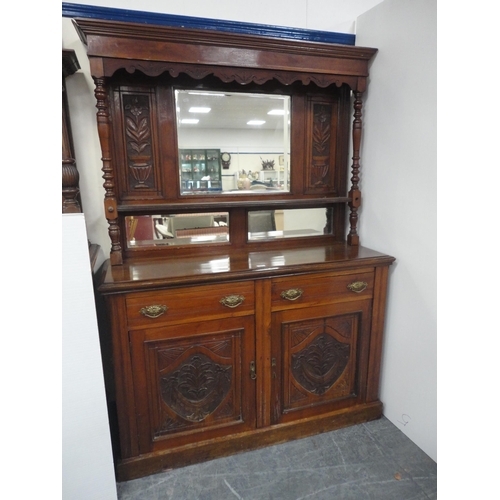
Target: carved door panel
point(327, 123)
point(193, 382)
point(319, 358)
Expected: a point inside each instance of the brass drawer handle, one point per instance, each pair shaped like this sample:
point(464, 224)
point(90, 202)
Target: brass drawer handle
point(232, 300)
point(153, 311)
point(357, 286)
point(292, 294)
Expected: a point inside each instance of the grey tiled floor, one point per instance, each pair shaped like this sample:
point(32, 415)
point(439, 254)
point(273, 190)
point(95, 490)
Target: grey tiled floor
point(367, 461)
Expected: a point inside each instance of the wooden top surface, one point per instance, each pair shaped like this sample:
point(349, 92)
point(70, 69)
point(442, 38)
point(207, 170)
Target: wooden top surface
point(150, 274)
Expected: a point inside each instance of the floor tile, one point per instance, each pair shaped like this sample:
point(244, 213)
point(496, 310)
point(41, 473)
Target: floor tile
point(374, 460)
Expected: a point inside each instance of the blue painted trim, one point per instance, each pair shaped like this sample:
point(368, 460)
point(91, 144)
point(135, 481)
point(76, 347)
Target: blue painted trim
point(135, 16)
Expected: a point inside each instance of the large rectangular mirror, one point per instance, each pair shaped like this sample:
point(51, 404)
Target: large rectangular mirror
point(232, 142)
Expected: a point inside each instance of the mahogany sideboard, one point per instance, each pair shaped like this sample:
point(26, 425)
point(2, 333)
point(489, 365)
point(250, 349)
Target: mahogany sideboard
point(244, 339)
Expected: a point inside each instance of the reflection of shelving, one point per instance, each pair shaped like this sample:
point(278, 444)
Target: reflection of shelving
point(200, 169)
point(276, 177)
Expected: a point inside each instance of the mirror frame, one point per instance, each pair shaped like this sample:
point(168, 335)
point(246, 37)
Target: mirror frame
point(319, 76)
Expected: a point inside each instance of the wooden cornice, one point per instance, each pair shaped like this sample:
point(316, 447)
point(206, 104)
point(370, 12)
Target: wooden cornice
point(144, 42)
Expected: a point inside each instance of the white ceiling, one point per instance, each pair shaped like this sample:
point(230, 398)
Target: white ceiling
point(231, 110)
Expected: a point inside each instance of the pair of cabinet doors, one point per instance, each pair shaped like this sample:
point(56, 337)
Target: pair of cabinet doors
point(206, 363)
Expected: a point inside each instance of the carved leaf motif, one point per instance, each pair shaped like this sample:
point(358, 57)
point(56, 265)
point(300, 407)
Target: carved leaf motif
point(319, 365)
point(196, 388)
point(137, 125)
point(139, 133)
point(137, 128)
point(321, 131)
point(227, 410)
point(222, 348)
point(321, 142)
point(299, 335)
point(167, 356)
point(170, 424)
point(296, 395)
point(344, 328)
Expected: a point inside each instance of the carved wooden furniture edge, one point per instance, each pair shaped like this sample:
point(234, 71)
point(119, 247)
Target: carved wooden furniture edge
point(70, 174)
point(189, 205)
point(110, 284)
point(101, 27)
point(148, 463)
point(113, 45)
point(70, 64)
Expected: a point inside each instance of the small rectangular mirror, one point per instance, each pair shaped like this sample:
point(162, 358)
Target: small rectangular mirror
point(294, 223)
point(178, 229)
point(233, 142)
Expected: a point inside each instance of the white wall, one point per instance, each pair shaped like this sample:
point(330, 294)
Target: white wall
point(399, 211)
point(87, 461)
point(326, 15)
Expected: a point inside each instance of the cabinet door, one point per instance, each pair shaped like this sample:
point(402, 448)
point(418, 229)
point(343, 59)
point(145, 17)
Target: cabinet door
point(193, 382)
point(319, 359)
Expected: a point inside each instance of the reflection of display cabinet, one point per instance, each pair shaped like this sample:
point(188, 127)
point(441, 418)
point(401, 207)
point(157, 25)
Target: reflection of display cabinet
point(273, 177)
point(227, 346)
point(200, 169)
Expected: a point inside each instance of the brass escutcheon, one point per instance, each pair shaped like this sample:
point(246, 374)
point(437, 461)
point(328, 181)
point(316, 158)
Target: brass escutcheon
point(292, 294)
point(253, 375)
point(357, 286)
point(232, 300)
point(153, 311)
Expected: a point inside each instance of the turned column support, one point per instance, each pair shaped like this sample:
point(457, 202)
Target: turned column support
point(110, 205)
point(355, 193)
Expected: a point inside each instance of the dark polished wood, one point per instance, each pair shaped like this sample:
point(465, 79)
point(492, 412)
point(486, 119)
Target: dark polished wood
point(149, 43)
point(231, 346)
point(70, 176)
point(231, 444)
point(355, 193)
point(315, 353)
point(137, 65)
point(151, 274)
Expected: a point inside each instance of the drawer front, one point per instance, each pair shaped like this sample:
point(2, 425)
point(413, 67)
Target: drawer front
point(192, 304)
point(319, 289)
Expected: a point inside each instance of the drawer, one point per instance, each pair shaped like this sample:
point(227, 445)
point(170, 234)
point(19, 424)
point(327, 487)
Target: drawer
point(319, 289)
point(192, 304)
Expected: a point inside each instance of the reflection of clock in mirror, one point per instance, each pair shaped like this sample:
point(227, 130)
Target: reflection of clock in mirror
point(226, 160)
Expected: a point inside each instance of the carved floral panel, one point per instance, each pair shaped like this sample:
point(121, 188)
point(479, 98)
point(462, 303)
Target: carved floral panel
point(319, 364)
point(138, 139)
point(196, 383)
point(196, 388)
point(321, 163)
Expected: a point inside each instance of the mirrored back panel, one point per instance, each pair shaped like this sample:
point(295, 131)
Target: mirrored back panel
point(266, 225)
point(179, 229)
point(233, 142)
point(157, 231)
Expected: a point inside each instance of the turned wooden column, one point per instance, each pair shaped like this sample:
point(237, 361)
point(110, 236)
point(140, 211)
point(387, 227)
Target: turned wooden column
point(70, 175)
point(110, 205)
point(355, 193)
